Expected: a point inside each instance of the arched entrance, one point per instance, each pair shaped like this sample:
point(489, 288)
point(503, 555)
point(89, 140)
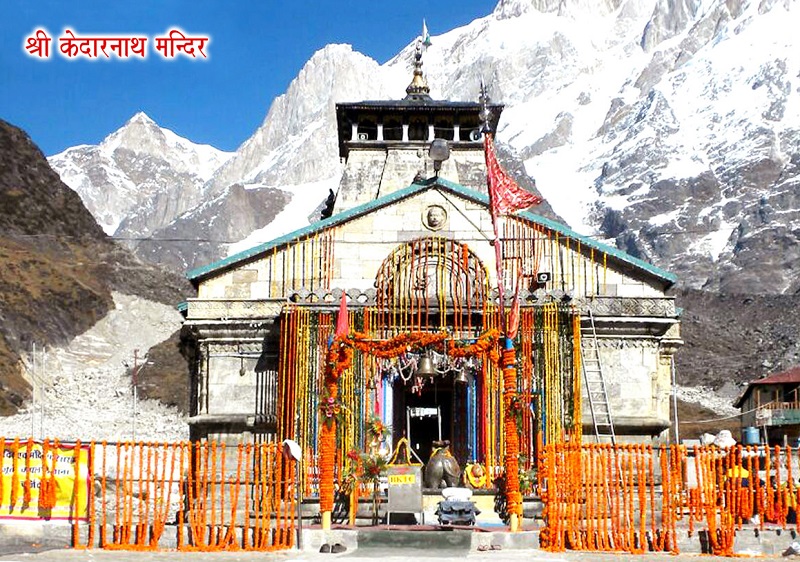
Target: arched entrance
point(434, 284)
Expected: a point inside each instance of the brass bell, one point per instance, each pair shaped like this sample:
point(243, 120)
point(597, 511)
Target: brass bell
point(461, 378)
point(425, 367)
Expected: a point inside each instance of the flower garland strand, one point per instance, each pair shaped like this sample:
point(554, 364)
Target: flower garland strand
point(26, 486)
point(511, 436)
point(14, 473)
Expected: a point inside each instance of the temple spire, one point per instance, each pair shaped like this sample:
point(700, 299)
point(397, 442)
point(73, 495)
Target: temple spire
point(418, 88)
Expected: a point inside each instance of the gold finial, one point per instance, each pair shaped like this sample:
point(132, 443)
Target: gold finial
point(418, 89)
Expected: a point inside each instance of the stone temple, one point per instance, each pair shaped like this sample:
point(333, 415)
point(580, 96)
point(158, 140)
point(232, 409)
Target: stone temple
point(409, 240)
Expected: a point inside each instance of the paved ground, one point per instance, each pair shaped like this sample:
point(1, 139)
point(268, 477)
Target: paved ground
point(45, 543)
point(362, 554)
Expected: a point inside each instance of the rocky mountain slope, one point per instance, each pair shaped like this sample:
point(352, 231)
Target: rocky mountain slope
point(730, 339)
point(57, 267)
point(83, 388)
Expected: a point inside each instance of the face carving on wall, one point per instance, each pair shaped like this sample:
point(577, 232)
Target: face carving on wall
point(435, 217)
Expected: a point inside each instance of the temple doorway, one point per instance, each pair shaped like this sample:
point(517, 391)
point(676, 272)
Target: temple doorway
point(433, 414)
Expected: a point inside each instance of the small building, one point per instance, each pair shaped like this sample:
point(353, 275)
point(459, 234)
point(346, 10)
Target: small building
point(772, 405)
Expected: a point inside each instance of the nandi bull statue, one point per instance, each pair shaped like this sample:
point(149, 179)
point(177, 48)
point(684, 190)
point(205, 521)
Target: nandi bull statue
point(442, 469)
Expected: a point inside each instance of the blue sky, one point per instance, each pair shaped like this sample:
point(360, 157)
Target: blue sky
point(257, 47)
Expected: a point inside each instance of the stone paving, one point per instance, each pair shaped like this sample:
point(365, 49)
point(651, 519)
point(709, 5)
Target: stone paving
point(397, 543)
point(415, 554)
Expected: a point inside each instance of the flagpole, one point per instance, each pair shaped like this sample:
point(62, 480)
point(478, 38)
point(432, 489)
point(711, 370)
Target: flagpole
point(327, 434)
point(509, 369)
point(505, 197)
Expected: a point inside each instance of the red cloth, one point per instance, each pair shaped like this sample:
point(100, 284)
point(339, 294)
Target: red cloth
point(342, 325)
point(505, 196)
point(513, 316)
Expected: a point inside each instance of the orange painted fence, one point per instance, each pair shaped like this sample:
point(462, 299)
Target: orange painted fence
point(639, 498)
point(211, 496)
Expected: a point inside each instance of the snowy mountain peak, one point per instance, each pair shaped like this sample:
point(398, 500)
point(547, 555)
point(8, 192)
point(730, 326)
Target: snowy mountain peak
point(141, 135)
point(140, 117)
point(140, 173)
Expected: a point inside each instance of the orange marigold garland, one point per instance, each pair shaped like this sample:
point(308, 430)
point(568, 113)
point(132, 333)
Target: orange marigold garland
point(47, 492)
point(510, 431)
point(74, 503)
point(26, 486)
point(14, 474)
point(327, 454)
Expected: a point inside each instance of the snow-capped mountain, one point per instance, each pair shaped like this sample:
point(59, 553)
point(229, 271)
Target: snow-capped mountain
point(138, 178)
point(670, 128)
point(297, 142)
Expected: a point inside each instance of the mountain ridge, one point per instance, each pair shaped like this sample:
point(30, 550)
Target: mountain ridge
point(138, 174)
point(674, 126)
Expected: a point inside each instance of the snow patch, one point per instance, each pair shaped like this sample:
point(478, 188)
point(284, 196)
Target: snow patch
point(305, 198)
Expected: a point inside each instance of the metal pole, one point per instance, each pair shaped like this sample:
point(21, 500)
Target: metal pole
point(299, 484)
point(33, 389)
point(41, 394)
point(133, 382)
point(675, 400)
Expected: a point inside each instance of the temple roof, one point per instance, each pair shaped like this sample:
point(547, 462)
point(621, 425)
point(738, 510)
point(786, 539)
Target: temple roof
point(412, 104)
point(198, 274)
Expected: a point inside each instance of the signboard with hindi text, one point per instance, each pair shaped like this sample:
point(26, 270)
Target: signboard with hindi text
point(405, 488)
point(44, 482)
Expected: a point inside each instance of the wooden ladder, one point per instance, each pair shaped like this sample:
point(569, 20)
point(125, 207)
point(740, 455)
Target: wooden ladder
point(596, 386)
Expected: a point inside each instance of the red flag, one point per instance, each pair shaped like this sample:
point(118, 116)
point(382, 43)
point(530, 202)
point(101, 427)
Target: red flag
point(512, 326)
point(505, 196)
point(342, 325)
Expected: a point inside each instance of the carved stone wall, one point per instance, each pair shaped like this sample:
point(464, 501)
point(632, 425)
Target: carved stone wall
point(233, 308)
point(637, 382)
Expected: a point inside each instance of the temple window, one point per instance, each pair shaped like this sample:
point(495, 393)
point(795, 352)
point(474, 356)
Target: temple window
point(417, 129)
point(443, 129)
point(367, 130)
point(469, 129)
point(392, 129)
